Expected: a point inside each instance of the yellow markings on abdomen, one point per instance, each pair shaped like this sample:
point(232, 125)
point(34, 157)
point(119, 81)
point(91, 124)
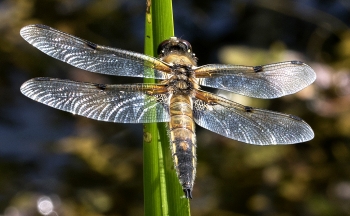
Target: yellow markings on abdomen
point(183, 140)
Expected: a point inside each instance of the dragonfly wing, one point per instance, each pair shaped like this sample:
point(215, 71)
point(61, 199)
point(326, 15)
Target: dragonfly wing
point(247, 124)
point(267, 81)
point(135, 103)
point(92, 57)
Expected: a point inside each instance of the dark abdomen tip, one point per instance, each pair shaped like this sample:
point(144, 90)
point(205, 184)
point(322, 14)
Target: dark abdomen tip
point(188, 193)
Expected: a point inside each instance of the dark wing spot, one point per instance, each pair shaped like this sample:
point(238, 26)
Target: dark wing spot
point(248, 109)
point(91, 45)
point(42, 79)
point(101, 86)
point(42, 26)
point(258, 69)
point(297, 62)
point(295, 117)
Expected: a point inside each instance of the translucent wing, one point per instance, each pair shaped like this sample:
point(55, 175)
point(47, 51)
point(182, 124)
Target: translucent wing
point(247, 124)
point(113, 103)
point(267, 81)
point(92, 57)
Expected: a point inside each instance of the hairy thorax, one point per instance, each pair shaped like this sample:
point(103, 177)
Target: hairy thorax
point(183, 80)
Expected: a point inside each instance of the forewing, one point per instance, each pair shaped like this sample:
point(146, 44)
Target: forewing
point(247, 124)
point(92, 57)
point(267, 81)
point(113, 103)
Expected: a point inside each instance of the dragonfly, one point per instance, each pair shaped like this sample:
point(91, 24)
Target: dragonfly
point(176, 99)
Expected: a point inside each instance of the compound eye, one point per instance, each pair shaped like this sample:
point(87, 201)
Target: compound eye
point(162, 46)
point(174, 44)
point(187, 45)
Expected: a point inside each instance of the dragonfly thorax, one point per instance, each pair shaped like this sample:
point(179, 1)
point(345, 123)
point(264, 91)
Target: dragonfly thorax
point(182, 71)
point(180, 86)
point(183, 80)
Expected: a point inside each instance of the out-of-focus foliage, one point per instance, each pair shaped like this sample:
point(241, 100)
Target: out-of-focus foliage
point(51, 161)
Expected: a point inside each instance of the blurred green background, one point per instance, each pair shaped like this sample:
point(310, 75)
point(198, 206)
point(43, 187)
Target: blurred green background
point(55, 163)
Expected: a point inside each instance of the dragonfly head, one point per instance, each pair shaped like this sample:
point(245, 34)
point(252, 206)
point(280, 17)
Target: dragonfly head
point(176, 46)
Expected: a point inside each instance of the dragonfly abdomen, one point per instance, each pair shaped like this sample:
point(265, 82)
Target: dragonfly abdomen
point(183, 141)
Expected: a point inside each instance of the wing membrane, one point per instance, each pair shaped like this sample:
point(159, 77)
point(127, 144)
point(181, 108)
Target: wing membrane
point(267, 81)
point(247, 124)
point(92, 57)
point(113, 103)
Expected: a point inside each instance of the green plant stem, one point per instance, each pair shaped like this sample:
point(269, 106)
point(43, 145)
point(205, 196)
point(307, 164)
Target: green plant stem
point(163, 193)
point(151, 178)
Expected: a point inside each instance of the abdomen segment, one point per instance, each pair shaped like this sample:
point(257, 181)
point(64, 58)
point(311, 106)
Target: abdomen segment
point(183, 141)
